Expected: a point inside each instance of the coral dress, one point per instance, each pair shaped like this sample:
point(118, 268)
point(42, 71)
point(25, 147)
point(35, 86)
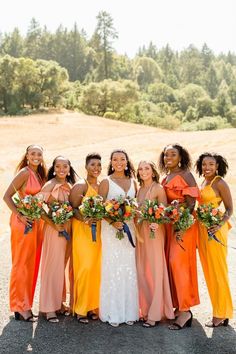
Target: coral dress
point(153, 282)
point(213, 259)
point(26, 251)
point(86, 264)
point(182, 265)
point(53, 257)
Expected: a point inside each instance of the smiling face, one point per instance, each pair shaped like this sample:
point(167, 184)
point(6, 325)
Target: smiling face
point(209, 167)
point(94, 168)
point(61, 168)
point(171, 157)
point(145, 171)
point(34, 156)
point(119, 161)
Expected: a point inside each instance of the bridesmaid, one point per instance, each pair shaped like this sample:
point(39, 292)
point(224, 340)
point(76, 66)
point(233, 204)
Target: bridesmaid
point(119, 291)
point(86, 253)
point(154, 290)
point(180, 185)
point(26, 249)
point(212, 254)
point(61, 176)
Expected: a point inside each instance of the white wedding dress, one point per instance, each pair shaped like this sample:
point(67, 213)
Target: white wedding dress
point(119, 291)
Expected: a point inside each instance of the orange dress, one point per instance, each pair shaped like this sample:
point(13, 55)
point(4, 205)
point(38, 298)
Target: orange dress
point(182, 264)
point(26, 251)
point(213, 258)
point(52, 291)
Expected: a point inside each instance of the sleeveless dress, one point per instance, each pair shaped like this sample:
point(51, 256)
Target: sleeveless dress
point(26, 251)
point(86, 264)
point(119, 292)
point(213, 259)
point(53, 257)
point(153, 282)
point(182, 265)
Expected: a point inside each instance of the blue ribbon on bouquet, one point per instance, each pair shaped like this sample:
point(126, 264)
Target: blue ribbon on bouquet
point(94, 231)
point(28, 228)
point(127, 231)
point(65, 234)
point(213, 236)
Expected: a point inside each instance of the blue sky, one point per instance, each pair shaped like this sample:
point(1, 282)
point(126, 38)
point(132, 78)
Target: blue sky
point(177, 22)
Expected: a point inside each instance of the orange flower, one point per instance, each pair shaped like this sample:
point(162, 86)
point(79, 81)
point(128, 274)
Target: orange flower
point(150, 211)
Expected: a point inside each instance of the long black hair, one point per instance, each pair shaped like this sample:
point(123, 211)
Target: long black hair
point(129, 172)
point(71, 178)
point(185, 159)
point(220, 160)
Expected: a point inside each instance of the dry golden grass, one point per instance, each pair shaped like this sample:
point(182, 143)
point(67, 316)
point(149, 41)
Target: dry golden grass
point(74, 135)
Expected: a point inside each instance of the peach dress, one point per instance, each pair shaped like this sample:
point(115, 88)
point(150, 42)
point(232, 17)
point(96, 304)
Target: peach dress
point(213, 258)
point(182, 264)
point(86, 264)
point(53, 257)
point(153, 282)
point(26, 251)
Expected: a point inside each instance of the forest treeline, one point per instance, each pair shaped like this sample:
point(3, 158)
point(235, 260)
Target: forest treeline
point(192, 89)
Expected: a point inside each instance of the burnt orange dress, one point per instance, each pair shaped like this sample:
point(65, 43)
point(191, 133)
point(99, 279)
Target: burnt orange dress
point(182, 264)
point(26, 251)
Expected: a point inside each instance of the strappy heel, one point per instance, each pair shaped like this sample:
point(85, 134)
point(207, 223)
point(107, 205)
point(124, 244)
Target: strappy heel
point(19, 317)
point(224, 323)
point(175, 326)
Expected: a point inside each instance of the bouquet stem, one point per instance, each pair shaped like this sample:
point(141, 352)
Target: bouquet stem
point(120, 234)
point(152, 234)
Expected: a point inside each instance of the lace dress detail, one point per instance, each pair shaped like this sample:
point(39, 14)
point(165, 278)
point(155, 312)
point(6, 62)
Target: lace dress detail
point(119, 292)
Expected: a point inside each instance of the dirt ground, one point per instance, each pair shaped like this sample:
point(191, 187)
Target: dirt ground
point(74, 135)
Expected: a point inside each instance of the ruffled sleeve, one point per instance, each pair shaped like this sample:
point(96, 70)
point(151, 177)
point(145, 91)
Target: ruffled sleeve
point(191, 191)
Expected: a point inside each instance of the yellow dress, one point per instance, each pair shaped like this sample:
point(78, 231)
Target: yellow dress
point(213, 259)
point(86, 264)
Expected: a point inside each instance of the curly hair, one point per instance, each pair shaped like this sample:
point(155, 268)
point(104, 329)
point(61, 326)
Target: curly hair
point(41, 170)
point(129, 172)
point(71, 178)
point(220, 160)
point(154, 171)
point(185, 158)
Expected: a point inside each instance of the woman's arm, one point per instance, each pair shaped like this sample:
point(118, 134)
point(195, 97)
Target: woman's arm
point(190, 180)
point(76, 195)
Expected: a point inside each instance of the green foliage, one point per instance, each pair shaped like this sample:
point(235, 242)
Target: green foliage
point(206, 123)
point(161, 87)
point(146, 71)
point(161, 93)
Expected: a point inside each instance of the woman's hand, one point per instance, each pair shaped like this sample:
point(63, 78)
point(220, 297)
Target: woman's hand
point(59, 227)
point(214, 229)
point(153, 226)
point(25, 220)
point(90, 221)
point(117, 225)
point(179, 235)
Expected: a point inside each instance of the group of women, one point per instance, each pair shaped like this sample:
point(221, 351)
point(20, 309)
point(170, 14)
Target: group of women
point(110, 279)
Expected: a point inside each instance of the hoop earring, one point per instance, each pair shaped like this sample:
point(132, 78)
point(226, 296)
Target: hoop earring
point(54, 173)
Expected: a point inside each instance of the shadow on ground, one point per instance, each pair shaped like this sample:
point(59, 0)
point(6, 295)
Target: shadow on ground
point(71, 337)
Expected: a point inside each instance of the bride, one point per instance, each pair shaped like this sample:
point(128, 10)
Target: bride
point(118, 293)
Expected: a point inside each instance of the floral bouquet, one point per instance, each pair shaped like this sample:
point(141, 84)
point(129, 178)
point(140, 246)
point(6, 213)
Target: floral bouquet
point(61, 212)
point(93, 208)
point(30, 206)
point(209, 216)
point(153, 212)
point(121, 209)
point(179, 215)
